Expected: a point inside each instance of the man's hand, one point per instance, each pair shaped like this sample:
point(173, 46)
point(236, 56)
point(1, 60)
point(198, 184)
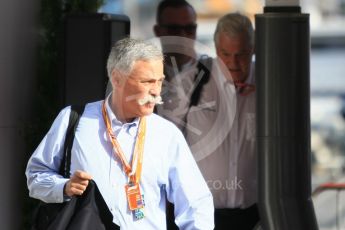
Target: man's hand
point(77, 184)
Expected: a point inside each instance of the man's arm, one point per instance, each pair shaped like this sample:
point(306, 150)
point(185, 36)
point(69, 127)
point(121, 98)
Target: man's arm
point(43, 180)
point(188, 190)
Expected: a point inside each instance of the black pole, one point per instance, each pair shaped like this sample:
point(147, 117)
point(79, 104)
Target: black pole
point(283, 119)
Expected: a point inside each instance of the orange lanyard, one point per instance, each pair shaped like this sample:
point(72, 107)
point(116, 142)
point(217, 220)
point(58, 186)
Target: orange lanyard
point(137, 160)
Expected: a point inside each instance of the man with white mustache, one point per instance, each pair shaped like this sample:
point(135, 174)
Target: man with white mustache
point(151, 99)
point(126, 149)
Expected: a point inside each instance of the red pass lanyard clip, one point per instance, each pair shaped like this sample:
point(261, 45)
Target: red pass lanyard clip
point(245, 89)
point(137, 161)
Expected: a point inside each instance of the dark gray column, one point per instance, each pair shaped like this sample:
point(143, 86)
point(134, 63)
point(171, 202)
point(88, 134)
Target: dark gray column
point(16, 84)
point(283, 120)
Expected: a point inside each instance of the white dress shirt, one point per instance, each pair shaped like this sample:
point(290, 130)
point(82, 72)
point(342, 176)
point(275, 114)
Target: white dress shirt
point(176, 92)
point(169, 169)
point(227, 159)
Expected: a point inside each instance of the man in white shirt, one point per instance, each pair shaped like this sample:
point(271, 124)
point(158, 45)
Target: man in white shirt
point(176, 28)
point(228, 162)
point(125, 148)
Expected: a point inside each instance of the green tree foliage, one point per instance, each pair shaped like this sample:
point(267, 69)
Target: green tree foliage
point(50, 59)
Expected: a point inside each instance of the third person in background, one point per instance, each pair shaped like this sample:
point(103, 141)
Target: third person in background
point(231, 169)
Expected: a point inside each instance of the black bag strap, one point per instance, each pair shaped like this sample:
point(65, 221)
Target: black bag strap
point(65, 166)
point(201, 78)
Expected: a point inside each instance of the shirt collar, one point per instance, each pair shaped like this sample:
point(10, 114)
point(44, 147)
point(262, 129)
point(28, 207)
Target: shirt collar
point(251, 78)
point(113, 118)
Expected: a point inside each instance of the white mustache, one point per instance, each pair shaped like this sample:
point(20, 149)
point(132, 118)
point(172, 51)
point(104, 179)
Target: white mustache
point(150, 99)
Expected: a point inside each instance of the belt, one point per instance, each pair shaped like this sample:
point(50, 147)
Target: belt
point(234, 211)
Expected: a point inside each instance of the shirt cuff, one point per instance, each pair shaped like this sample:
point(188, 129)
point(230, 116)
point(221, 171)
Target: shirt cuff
point(58, 191)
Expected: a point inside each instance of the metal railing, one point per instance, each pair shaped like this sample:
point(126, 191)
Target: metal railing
point(338, 187)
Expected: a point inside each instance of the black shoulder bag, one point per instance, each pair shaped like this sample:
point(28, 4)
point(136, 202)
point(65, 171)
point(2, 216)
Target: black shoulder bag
point(88, 211)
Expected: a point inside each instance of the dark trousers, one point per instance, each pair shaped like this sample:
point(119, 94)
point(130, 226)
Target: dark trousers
point(170, 217)
point(237, 219)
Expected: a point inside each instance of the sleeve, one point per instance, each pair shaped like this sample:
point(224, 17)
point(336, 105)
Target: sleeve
point(43, 180)
point(187, 189)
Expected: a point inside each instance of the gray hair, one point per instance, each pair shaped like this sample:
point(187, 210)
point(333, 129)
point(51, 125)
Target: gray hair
point(233, 24)
point(127, 51)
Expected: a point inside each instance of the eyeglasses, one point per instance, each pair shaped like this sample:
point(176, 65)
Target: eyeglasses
point(177, 29)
